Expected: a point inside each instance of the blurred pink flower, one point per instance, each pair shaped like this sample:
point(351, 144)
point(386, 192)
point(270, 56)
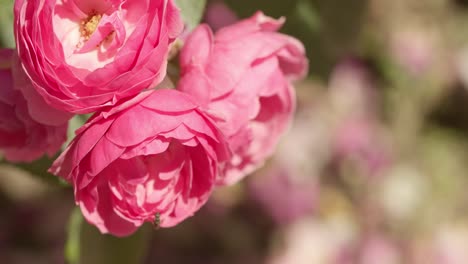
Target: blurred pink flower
point(219, 15)
point(242, 77)
point(156, 153)
point(21, 137)
point(83, 55)
point(378, 249)
point(352, 89)
point(358, 140)
point(413, 49)
point(357, 135)
point(310, 241)
point(283, 197)
point(450, 245)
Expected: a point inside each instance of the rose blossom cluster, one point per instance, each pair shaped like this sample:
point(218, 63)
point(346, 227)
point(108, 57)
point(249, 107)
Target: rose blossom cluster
point(146, 152)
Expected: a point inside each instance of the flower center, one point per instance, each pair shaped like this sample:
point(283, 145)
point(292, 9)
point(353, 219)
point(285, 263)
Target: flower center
point(89, 25)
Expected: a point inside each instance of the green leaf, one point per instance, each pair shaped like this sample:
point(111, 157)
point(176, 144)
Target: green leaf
point(7, 38)
point(76, 122)
point(192, 11)
point(308, 15)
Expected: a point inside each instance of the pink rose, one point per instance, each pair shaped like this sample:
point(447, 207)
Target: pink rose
point(242, 76)
point(21, 137)
point(156, 153)
point(86, 54)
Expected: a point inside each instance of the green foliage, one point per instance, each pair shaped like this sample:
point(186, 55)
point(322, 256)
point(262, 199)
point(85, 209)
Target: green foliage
point(76, 122)
point(72, 247)
point(86, 245)
point(192, 11)
point(7, 38)
point(96, 248)
point(340, 29)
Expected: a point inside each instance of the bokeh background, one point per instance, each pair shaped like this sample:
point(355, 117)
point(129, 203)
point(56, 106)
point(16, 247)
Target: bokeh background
point(372, 171)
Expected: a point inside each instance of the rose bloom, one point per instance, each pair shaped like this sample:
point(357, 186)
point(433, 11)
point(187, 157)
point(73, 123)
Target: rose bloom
point(85, 54)
point(23, 139)
point(156, 153)
point(242, 76)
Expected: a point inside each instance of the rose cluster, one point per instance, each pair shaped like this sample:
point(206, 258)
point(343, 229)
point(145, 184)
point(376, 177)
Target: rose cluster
point(148, 150)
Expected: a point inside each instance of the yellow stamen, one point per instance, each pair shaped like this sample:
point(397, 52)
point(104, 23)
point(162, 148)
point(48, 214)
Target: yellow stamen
point(89, 25)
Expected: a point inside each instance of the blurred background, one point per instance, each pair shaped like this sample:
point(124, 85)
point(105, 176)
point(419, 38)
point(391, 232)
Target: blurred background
point(372, 171)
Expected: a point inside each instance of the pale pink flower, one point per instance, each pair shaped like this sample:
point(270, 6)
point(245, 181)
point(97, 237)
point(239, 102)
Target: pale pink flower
point(379, 249)
point(156, 153)
point(21, 137)
point(282, 196)
point(358, 135)
point(352, 89)
point(242, 76)
point(450, 245)
point(359, 141)
point(314, 241)
point(82, 55)
point(414, 49)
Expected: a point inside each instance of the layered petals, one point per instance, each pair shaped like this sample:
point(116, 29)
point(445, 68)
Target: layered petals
point(23, 138)
point(157, 153)
point(84, 55)
point(242, 76)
